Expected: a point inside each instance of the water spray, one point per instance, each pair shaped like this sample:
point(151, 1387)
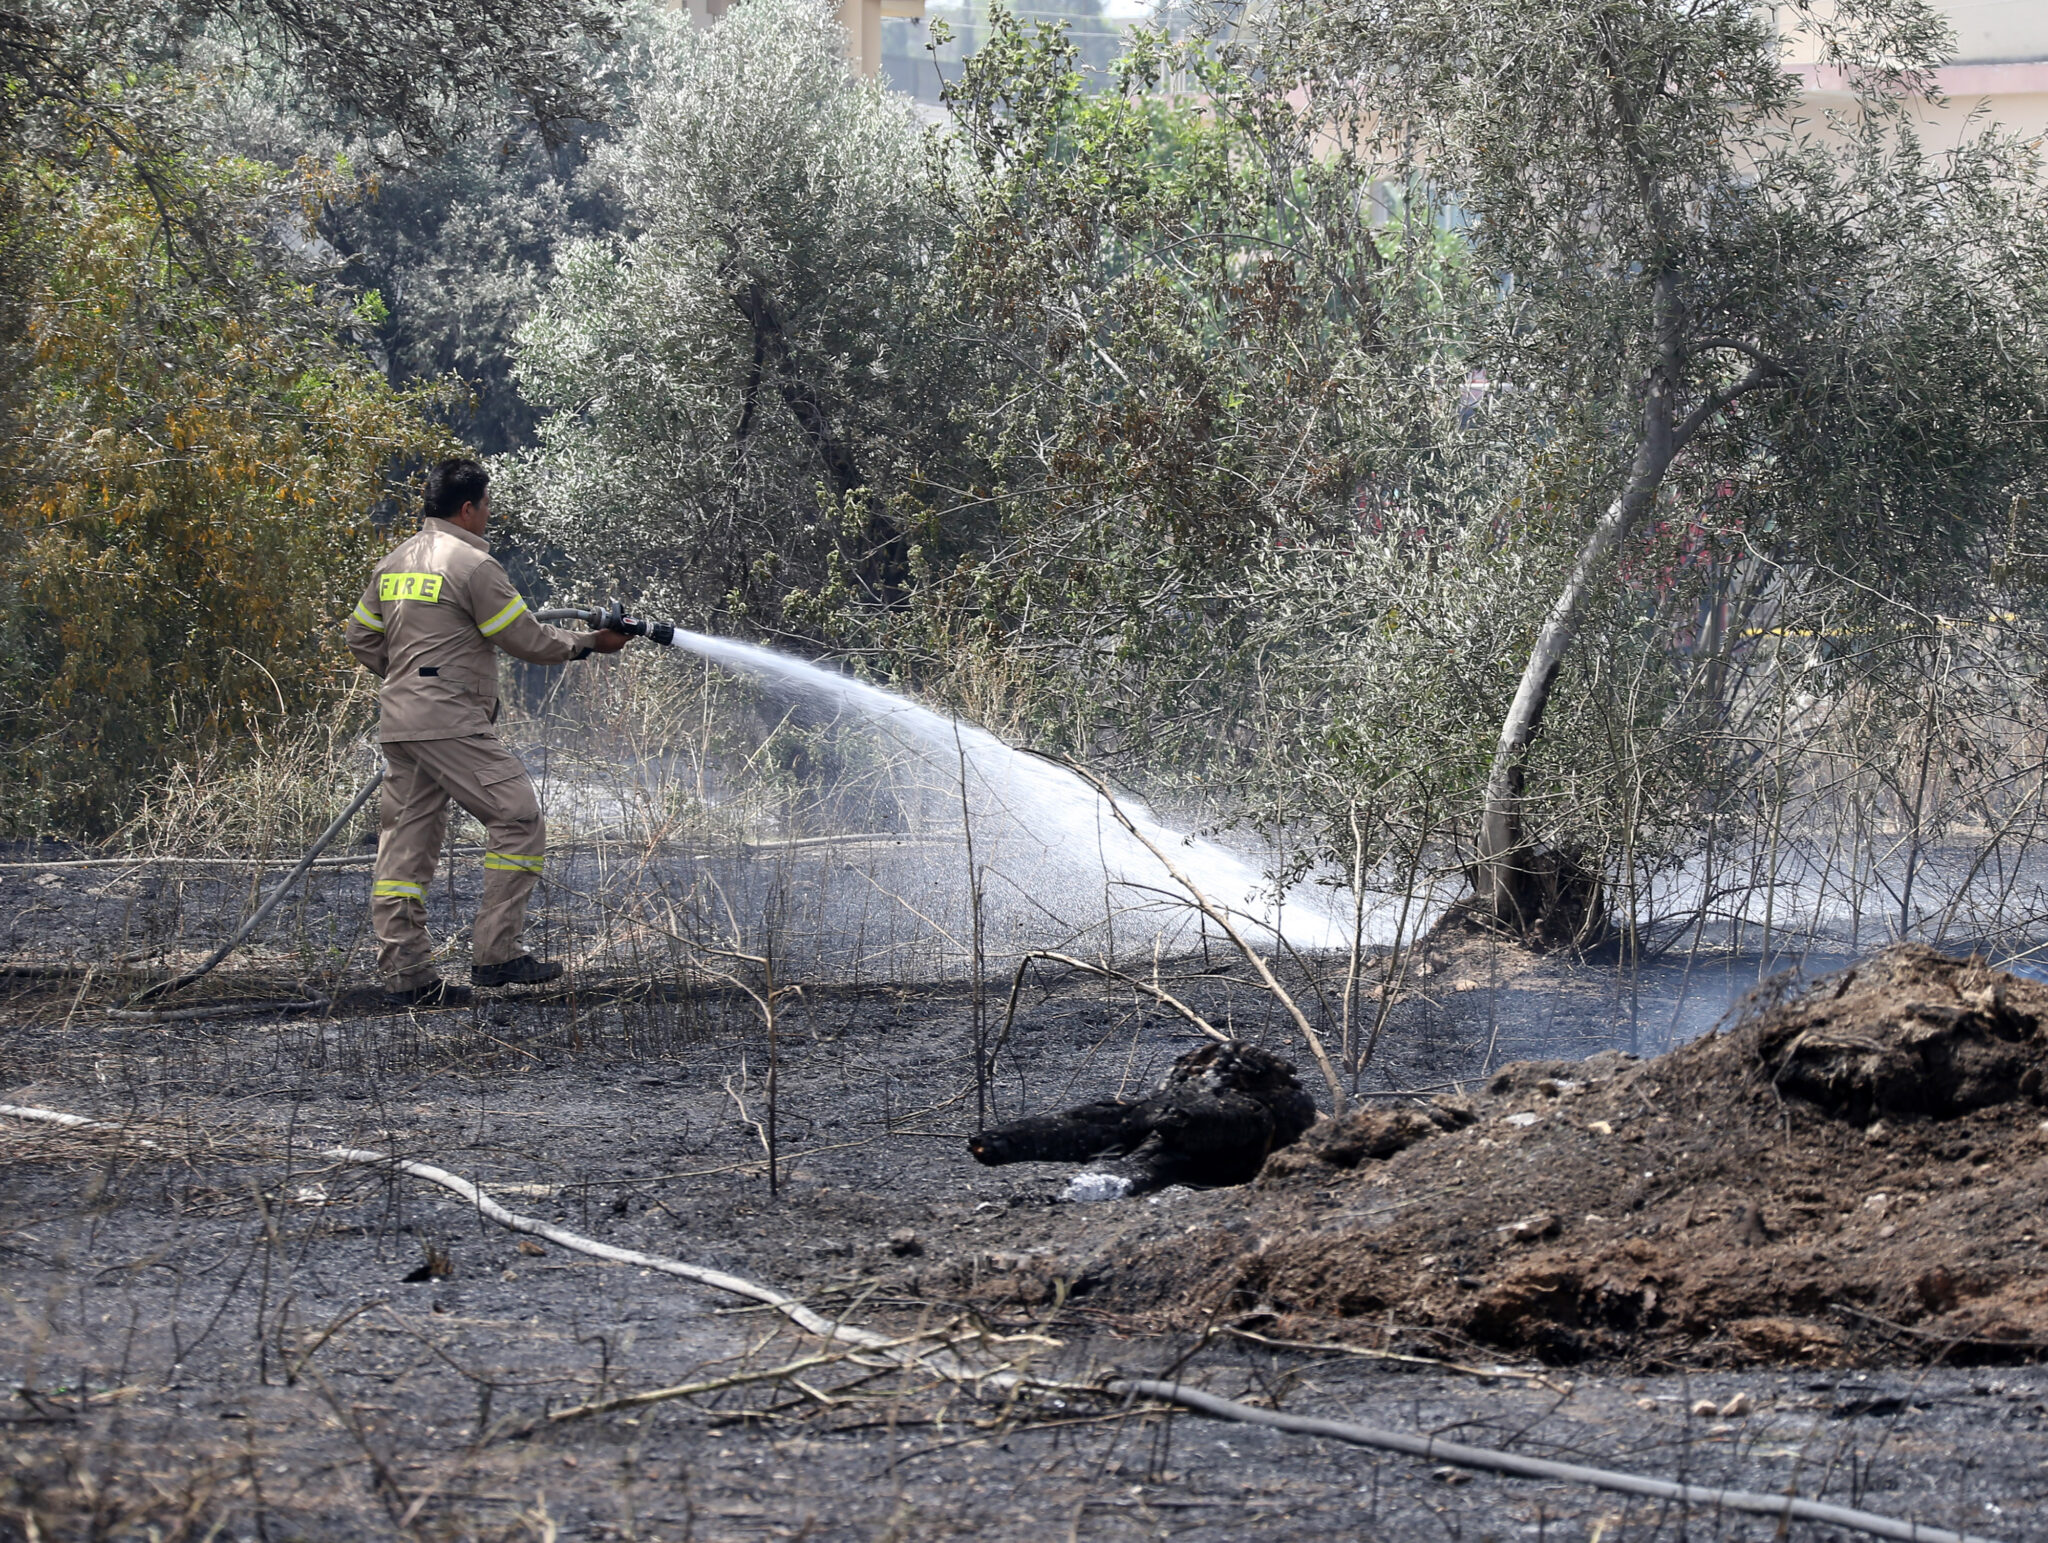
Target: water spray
point(1064, 813)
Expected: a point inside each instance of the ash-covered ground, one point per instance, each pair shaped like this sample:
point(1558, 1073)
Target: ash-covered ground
point(223, 1332)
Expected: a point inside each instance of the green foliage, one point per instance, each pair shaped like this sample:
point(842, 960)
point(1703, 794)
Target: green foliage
point(194, 444)
point(1227, 450)
point(454, 242)
point(748, 407)
point(1318, 391)
point(467, 241)
point(412, 71)
point(1713, 310)
point(1691, 266)
point(1115, 241)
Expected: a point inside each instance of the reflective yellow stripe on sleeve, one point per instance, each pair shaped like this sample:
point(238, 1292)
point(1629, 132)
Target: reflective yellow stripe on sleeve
point(397, 889)
point(368, 617)
point(504, 618)
point(514, 862)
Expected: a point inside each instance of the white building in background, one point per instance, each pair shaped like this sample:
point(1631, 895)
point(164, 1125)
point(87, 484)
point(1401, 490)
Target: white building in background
point(861, 18)
point(2000, 69)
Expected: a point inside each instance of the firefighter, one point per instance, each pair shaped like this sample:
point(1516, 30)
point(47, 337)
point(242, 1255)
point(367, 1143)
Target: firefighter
point(429, 623)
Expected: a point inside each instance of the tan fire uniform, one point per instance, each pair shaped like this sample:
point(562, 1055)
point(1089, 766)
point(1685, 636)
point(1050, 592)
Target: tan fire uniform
point(430, 622)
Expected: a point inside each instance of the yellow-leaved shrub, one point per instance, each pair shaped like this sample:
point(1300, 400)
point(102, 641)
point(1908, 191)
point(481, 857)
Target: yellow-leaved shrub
point(193, 450)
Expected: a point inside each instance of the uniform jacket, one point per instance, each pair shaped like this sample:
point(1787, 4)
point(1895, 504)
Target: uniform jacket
point(430, 622)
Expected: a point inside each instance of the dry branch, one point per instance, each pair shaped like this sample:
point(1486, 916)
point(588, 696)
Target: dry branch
point(787, 1372)
point(1164, 998)
point(1436, 1363)
point(217, 1010)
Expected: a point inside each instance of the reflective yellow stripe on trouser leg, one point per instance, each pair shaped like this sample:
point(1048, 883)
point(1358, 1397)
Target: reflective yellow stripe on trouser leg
point(514, 862)
point(397, 889)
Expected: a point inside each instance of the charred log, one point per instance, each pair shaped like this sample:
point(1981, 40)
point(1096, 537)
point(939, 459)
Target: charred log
point(1214, 1119)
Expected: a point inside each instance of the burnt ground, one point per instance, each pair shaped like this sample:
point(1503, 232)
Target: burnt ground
point(1852, 1173)
point(222, 1333)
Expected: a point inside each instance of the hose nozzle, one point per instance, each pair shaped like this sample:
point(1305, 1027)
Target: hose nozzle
point(615, 619)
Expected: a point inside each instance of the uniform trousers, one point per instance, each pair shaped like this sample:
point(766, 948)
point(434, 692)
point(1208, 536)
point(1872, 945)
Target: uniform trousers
point(488, 780)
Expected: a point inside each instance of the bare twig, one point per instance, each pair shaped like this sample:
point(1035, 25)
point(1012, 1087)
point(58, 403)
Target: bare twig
point(1164, 998)
point(1331, 1348)
point(787, 1372)
point(340, 1322)
point(1218, 915)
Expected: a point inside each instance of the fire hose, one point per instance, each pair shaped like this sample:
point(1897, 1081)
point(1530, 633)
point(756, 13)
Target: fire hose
point(270, 902)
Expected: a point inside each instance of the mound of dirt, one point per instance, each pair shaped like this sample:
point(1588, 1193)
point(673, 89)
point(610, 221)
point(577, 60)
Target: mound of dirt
point(1854, 1173)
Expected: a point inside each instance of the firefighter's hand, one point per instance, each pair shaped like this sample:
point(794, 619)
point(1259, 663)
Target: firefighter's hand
point(606, 642)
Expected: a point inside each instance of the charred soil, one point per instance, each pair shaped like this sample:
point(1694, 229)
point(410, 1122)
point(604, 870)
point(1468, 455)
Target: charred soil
point(217, 1330)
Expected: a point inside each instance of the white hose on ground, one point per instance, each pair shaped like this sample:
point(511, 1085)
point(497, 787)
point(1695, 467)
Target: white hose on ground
point(561, 1237)
point(1784, 1507)
point(802, 1316)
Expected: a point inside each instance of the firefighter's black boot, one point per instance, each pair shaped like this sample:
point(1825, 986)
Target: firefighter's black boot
point(523, 971)
point(436, 993)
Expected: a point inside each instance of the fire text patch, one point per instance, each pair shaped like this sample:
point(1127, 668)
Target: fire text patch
point(409, 586)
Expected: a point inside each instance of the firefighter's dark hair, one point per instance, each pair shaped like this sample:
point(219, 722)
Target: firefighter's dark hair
point(454, 483)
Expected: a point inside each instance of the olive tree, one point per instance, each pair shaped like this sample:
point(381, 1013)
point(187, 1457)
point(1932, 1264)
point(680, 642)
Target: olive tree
point(448, 247)
point(412, 69)
point(746, 408)
point(1696, 283)
point(1454, 371)
point(126, 93)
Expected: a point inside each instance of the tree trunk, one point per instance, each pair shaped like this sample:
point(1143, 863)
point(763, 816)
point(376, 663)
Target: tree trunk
point(1544, 896)
point(884, 566)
